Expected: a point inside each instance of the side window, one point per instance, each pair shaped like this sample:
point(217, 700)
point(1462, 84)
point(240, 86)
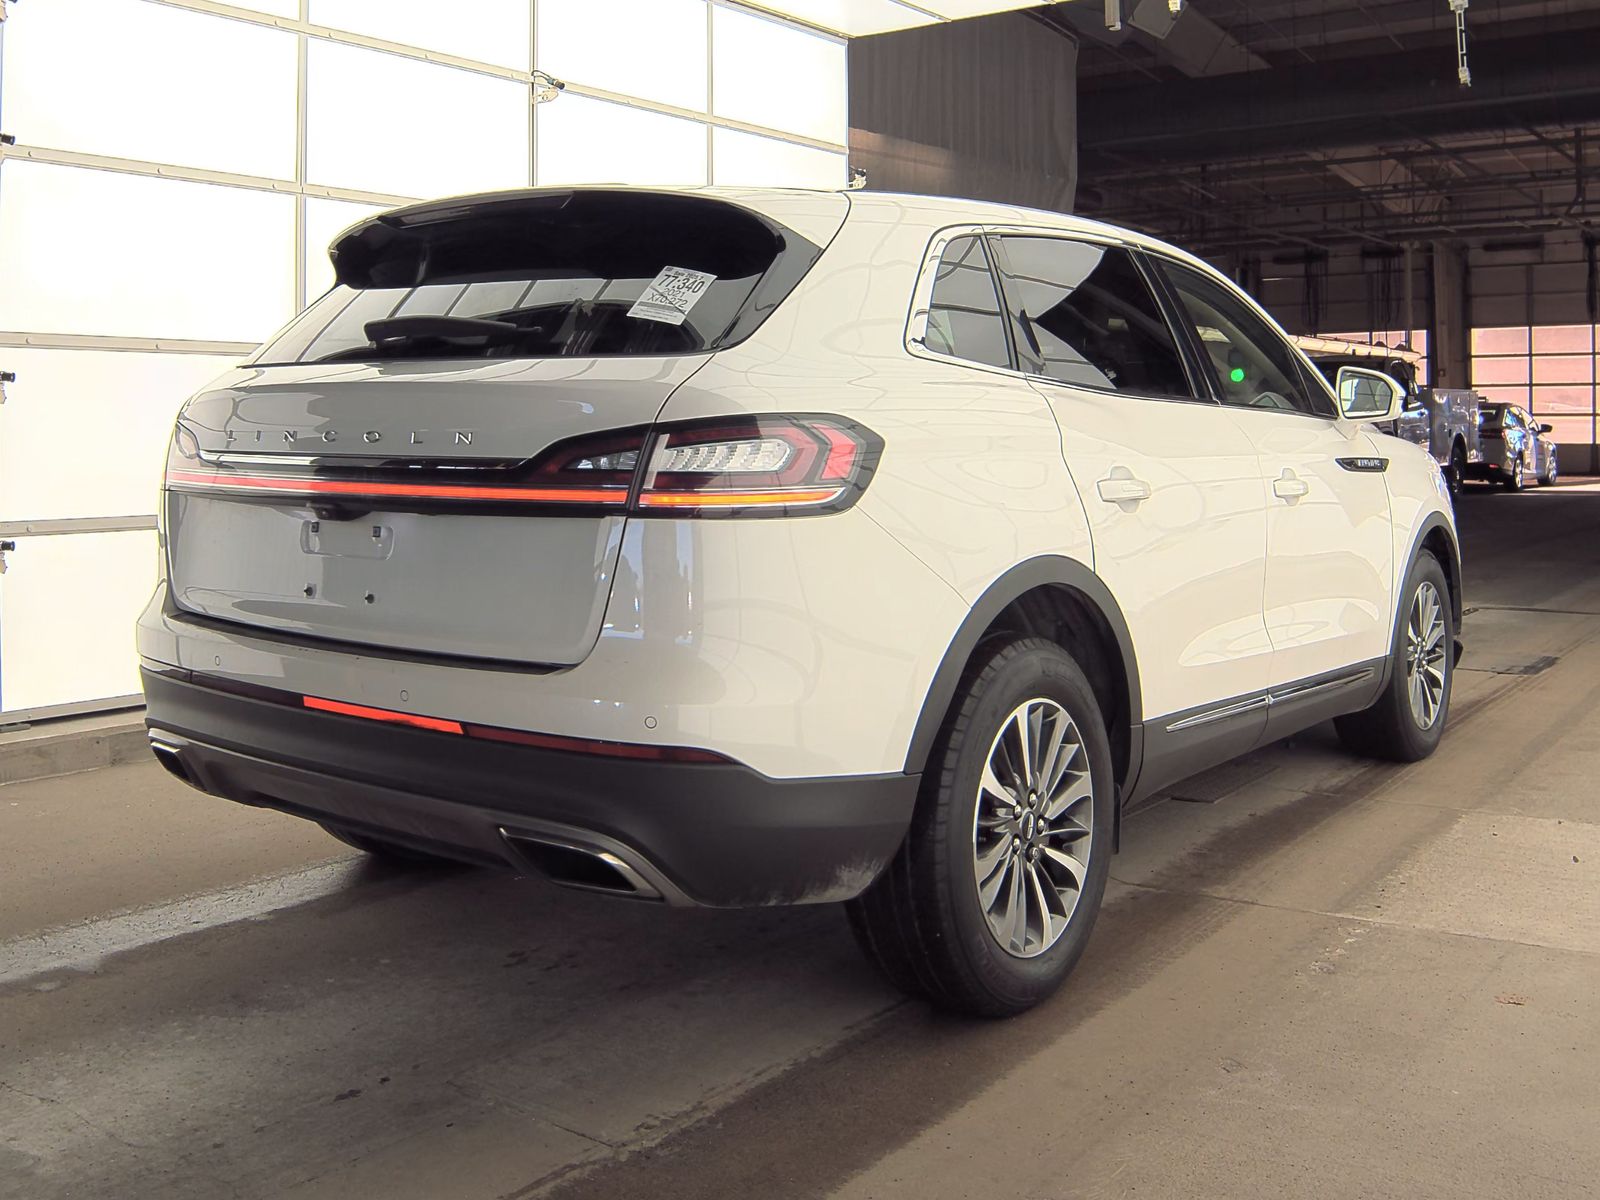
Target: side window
point(1251, 363)
point(1083, 314)
point(964, 311)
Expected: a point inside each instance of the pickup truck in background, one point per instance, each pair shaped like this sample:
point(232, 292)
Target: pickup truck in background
point(1445, 421)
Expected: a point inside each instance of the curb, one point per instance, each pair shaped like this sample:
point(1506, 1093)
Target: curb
point(67, 746)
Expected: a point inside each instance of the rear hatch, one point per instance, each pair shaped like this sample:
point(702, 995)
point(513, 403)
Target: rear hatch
point(435, 456)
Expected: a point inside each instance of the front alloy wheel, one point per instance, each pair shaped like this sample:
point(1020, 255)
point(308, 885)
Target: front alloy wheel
point(1407, 720)
point(1426, 650)
point(1033, 828)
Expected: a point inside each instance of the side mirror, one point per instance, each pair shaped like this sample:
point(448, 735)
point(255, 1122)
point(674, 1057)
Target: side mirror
point(1366, 395)
point(1547, 429)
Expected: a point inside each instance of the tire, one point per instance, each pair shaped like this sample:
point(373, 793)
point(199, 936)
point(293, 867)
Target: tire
point(924, 921)
point(385, 851)
point(1456, 476)
point(1548, 479)
point(1394, 728)
point(1514, 477)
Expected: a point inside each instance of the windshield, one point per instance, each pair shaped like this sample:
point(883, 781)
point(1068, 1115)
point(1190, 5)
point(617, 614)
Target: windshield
point(565, 274)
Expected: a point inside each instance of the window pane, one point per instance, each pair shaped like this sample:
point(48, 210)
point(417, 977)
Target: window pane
point(591, 141)
point(493, 31)
point(1082, 314)
point(1500, 341)
point(768, 73)
point(121, 78)
point(596, 274)
point(326, 220)
point(121, 404)
point(858, 17)
point(745, 160)
point(1563, 339)
point(1499, 370)
point(1252, 365)
point(663, 57)
point(1551, 399)
point(67, 608)
point(94, 252)
point(1570, 429)
point(1503, 395)
point(1563, 368)
point(382, 123)
point(964, 312)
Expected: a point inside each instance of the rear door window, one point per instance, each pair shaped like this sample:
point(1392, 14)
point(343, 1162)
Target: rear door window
point(1082, 313)
point(964, 318)
point(592, 274)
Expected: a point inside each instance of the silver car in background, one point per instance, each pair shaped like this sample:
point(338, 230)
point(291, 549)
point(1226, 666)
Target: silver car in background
point(1515, 448)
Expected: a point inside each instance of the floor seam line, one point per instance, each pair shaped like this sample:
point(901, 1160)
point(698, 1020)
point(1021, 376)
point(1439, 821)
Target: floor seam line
point(1348, 916)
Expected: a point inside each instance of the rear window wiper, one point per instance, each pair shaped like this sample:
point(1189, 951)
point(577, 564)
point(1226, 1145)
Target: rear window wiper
point(437, 328)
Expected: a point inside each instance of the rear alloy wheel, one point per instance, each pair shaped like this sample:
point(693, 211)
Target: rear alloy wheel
point(1407, 721)
point(1514, 477)
point(990, 901)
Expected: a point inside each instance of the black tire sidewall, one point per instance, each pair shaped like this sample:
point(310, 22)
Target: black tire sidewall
point(1044, 670)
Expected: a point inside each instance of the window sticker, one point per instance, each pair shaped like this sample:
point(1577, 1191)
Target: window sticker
point(670, 295)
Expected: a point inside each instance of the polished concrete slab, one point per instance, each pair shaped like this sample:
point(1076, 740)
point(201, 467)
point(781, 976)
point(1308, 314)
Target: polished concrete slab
point(1315, 976)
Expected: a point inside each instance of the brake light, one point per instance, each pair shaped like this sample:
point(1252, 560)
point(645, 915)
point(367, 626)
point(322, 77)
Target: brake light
point(758, 466)
point(726, 466)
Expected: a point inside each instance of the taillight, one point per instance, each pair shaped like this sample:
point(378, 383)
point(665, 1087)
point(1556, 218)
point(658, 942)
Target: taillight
point(727, 466)
point(757, 466)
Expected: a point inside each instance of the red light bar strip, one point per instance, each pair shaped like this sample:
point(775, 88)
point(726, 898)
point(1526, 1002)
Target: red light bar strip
point(735, 499)
point(216, 481)
point(516, 737)
point(436, 724)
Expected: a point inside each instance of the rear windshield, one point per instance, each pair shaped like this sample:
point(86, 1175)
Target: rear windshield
point(590, 274)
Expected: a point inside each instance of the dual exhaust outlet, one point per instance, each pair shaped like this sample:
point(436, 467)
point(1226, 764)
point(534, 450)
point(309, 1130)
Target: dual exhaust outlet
point(563, 860)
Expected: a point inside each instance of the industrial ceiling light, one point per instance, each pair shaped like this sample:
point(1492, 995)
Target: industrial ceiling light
point(546, 87)
point(1463, 72)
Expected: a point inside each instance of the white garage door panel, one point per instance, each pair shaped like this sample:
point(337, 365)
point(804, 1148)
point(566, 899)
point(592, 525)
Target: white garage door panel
point(67, 610)
point(772, 74)
point(381, 123)
point(95, 76)
point(83, 433)
point(745, 160)
point(94, 252)
point(491, 31)
point(580, 139)
point(663, 58)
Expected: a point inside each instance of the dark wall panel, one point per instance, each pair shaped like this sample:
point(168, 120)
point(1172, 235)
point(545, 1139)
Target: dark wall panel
point(983, 108)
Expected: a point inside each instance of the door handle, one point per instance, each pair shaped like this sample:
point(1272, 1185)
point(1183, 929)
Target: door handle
point(1123, 490)
point(1289, 486)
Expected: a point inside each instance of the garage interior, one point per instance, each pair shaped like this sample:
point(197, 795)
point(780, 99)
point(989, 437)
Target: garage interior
point(1315, 976)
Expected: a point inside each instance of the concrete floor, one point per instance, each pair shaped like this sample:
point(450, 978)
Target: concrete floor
point(1314, 976)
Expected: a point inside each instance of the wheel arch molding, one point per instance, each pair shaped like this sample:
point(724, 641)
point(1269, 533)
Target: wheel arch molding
point(1046, 596)
point(1433, 533)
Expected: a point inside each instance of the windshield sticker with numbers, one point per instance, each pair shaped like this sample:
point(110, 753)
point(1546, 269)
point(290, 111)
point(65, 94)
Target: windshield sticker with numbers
point(670, 295)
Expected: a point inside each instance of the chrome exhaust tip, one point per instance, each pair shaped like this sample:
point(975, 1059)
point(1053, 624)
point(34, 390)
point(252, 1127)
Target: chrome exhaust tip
point(171, 757)
point(586, 868)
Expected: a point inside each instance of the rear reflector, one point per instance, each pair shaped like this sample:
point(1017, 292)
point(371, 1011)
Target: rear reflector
point(518, 737)
point(381, 714)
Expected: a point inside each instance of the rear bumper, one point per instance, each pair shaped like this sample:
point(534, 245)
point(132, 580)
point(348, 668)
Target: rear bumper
point(714, 834)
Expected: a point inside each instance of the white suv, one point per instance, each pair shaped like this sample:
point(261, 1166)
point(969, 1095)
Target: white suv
point(758, 547)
